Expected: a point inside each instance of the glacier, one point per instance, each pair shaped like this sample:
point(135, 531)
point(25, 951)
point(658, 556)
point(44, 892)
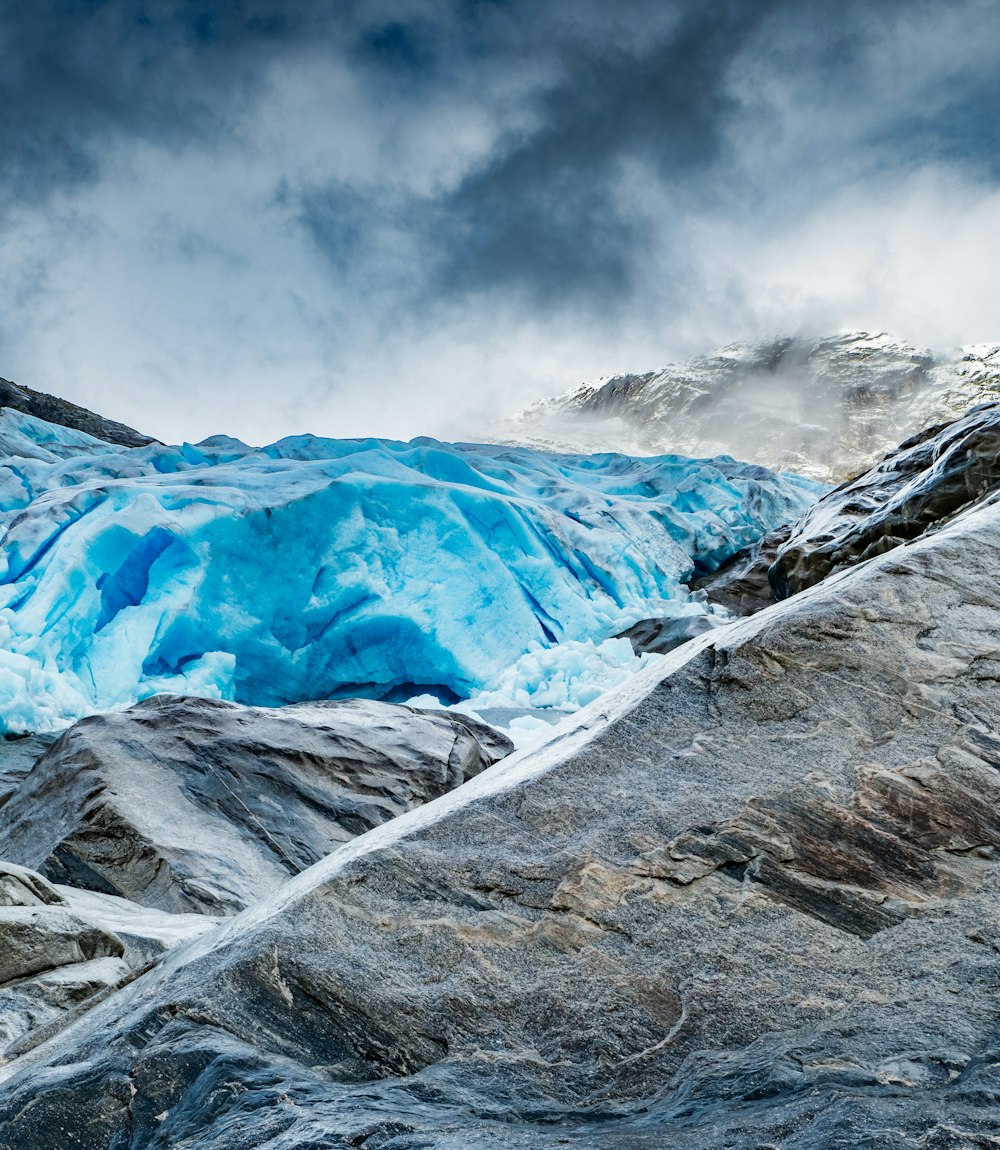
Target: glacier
point(323, 568)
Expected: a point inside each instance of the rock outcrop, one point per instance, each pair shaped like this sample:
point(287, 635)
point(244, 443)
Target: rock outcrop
point(747, 900)
point(919, 486)
point(17, 757)
point(198, 805)
point(60, 411)
point(51, 958)
point(828, 408)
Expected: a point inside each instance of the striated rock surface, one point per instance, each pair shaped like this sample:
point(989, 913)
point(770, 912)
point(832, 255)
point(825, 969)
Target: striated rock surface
point(65, 414)
point(748, 900)
point(920, 485)
point(827, 408)
point(17, 757)
point(199, 805)
point(145, 933)
point(51, 958)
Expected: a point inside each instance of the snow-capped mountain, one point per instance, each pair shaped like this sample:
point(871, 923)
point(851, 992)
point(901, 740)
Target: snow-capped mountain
point(827, 408)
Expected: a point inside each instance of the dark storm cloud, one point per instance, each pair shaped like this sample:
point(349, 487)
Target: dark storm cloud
point(226, 189)
point(79, 76)
point(545, 215)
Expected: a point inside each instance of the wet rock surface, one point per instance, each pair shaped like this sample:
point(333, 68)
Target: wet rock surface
point(659, 636)
point(194, 805)
point(920, 485)
point(743, 585)
point(748, 900)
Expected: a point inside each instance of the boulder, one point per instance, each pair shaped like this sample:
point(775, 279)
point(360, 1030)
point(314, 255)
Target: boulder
point(37, 938)
point(145, 933)
point(33, 1007)
point(659, 636)
point(51, 959)
point(195, 805)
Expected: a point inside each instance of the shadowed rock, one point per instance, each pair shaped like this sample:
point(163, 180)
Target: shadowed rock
point(662, 635)
point(197, 805)
point(55, 410)
point(742, 585)
point(922, 484)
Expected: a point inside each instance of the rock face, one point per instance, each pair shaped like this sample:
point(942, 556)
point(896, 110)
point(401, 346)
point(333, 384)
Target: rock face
point(748, 900)
point(51, 959)
point(660, 636)
point(828, 408)
point(743, 585)
point(145, 933)
point(17, 757)
point(921, 485)
point(198, 805)
point(60, 411)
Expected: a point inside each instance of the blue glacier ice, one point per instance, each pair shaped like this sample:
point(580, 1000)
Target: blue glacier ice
point(318, 568)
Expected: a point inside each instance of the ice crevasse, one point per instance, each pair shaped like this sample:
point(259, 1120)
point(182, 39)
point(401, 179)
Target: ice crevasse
point(320, 568)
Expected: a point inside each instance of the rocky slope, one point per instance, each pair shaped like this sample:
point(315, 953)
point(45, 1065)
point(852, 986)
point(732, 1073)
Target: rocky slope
point(205, 806)
point(917, 488)
point(747, 900)
point(62, 413)
point(191, 805)
point(828, 408)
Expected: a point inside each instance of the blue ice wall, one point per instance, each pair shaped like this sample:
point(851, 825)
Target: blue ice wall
point(317, 567)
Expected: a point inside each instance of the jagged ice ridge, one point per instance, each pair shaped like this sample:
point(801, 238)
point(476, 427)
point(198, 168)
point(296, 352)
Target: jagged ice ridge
point(320, 568)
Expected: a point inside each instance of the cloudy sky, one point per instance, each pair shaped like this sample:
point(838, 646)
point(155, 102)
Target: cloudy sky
point(408, 216)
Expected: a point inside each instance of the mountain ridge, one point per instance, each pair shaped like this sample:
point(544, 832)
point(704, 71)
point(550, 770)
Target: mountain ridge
point(826, 407)
point(62, 412)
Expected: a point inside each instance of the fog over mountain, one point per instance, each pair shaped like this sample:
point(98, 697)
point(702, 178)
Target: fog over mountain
point(413, 217)
point(827, 407)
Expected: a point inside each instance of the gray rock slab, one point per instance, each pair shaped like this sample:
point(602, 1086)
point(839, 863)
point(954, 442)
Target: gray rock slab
point(20, 886)
point(17, 757)
point(144, 931)
point(923, 483)
point(194, 805)
point(749, 899)
point(44, 1002)
point(38, 938)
